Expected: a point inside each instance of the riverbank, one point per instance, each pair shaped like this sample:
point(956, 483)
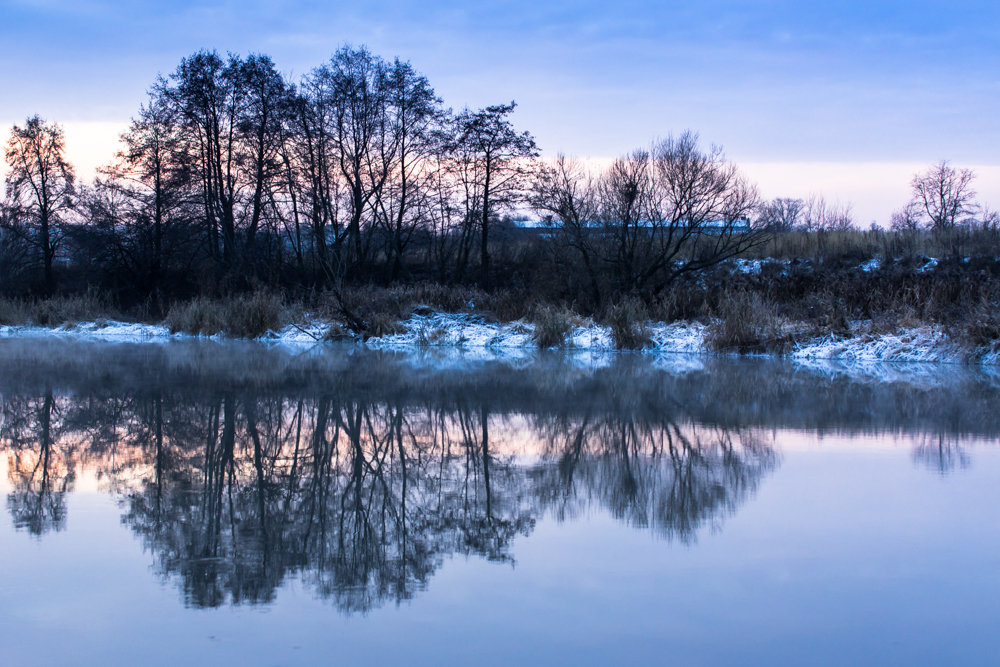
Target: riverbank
point(480, 336)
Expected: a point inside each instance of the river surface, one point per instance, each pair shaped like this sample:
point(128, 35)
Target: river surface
point(226, 503)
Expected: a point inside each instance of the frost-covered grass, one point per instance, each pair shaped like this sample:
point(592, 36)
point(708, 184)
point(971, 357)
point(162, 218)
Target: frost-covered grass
point(463, 330)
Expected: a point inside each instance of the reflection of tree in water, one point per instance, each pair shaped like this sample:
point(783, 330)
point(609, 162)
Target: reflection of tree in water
point(359, 474)
point(363, 501)
point(940, 453)
point(40, 471)
point(673, 480)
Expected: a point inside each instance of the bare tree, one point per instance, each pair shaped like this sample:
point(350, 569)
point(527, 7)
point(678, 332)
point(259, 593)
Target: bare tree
point(567, 196)
point(989, 219)
point(205, 95)
point(261, 129)
point(625, 190)
point(414, 117)
point(946, 195)
point(780, 215)
point(910, 218)
point(40, 185)
point(499, 160)
point(820, 215)
point(355, 83)
point(143, 203)
point(675, 210)
point(313, 156)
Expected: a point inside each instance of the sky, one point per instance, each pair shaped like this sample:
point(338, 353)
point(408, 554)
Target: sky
point(844, 99)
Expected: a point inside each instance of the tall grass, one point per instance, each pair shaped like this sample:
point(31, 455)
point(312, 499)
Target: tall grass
point(246, 316)
point(55, 311)
point(747, 323)
point(552, 326)
point(857, 244)
point(627, 321)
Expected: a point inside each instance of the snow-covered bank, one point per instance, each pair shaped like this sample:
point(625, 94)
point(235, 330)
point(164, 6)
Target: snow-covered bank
point(108, 330)
point(473, 332)
point(474, 337)
point(920, 344)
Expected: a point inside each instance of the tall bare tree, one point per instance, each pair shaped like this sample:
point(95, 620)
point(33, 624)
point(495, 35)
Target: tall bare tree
point(205, 94)
point(414, 118)
point(697, 213)
point(625, 192)
point(265, 113)
point(565, 194)
point(946, 195)
point(498, 161)
point(40, 186)
point(780, 215)
point(355, 81)
point(150, 234)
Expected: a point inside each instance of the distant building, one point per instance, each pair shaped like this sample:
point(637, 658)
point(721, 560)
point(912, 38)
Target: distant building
point(741, 226)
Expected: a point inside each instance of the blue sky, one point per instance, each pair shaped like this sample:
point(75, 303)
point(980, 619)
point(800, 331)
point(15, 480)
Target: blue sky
point(774, 82)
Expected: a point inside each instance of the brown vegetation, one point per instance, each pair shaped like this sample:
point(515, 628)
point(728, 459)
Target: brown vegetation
point(628, 323)
point(245, 316)
point(552, 326)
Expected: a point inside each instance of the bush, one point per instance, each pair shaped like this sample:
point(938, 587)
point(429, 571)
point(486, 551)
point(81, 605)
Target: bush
point(627, 321)
point(552, 325)
point(979, 329)
point(54, 311)
point(381, 324)
point(400, 301)
point(746, 323)
point(248, 316)
point(338, 333)
point(428, 336)
point(253, 316)
point(13, 311)
point(199, 317)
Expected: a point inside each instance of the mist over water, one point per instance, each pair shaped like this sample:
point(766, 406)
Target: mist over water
point(236, 503)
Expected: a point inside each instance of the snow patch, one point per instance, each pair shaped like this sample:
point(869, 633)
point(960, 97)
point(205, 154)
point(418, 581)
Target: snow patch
point(464, 331)
point(872, 264)
point(107, 330)
point(922, 344)
point(679, 337)
point(748, 266)
point(929, 265)
point(451, 338)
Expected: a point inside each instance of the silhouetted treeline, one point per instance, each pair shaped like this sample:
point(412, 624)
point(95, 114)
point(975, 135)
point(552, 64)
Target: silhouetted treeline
point(231, 177)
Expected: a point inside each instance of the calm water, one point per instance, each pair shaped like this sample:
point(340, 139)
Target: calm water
point(229, 504)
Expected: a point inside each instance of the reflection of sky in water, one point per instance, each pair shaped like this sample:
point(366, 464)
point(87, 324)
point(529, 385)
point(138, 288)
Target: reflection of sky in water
point(869, 536)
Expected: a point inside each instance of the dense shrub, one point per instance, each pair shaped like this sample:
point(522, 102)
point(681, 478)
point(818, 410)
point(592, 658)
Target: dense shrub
point(627, 321)
point(199, 317)
point(55, 311)
point(381, 324)
point(746, 323)
point(247, 316)
point(552, 326)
